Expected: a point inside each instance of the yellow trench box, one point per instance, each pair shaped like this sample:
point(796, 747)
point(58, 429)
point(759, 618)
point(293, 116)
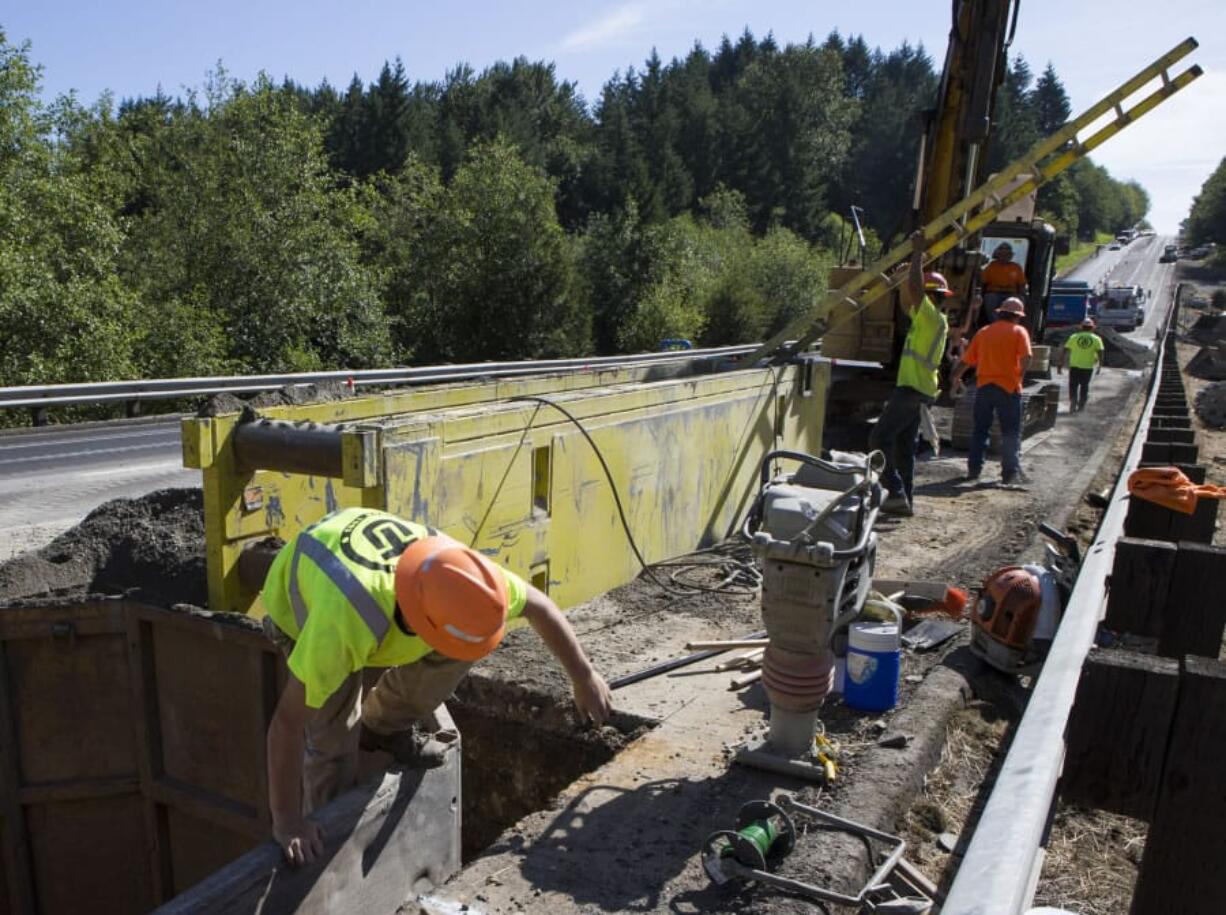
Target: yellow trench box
point(516, 478)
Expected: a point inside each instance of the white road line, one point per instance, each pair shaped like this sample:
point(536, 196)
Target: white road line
point(77, 441)
point(74, 454)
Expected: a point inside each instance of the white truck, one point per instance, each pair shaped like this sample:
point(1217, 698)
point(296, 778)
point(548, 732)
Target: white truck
point(1122, 307)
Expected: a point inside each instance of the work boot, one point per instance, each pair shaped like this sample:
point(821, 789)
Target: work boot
point(415, 749)
point(1016, 478)
point(897, 505)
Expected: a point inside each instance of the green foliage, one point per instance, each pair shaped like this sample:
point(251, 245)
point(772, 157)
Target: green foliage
point(1206, 220)
point(63, 313)
point(496, 274)
point(244, 230)
point(488, 215)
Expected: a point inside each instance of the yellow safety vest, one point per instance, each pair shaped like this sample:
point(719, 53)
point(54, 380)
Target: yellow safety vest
point(332, 589)
point(922, 351)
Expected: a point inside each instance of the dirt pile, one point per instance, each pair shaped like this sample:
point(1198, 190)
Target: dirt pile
point(1211, 405)
point(151, 548)
point(1209, 329)
point(1120, 352)
point(1209, 363)
point(290, 394)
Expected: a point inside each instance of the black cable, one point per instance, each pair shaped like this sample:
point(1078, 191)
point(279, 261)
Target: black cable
point(735, 570)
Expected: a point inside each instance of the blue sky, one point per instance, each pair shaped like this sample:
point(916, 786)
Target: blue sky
point(130, 47)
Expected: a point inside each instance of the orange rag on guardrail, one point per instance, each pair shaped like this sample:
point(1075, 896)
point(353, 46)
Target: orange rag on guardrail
point(1171, 488)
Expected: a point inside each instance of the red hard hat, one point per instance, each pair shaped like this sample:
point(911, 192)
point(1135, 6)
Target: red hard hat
point(452, 596)
point(935, 282)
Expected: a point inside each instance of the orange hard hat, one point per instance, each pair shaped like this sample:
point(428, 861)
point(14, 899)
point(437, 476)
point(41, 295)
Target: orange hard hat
point(1012, 306)
point(936, 282)
point(451, 596)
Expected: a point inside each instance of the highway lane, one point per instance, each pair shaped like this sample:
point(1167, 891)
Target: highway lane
point(1135, 264)
point(51, 477)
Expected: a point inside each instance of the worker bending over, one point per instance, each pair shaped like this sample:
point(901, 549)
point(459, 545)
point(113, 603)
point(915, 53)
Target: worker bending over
point(918, 382)
point(999, 354)
point(362, 588)
point(1085, 349)
point(1002, 278)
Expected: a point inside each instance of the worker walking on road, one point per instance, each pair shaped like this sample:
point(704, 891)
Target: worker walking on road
point(999, 354)
point(918, 383)
point(1002, 278)
point(362, 588)
point(1085, 350)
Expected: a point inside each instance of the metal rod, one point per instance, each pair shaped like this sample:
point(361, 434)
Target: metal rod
point(998, 872)
point(665, 666)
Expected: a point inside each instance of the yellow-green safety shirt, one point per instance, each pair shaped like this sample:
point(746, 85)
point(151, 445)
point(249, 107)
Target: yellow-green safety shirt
point(332, 589)
point(923, 349)
point(1083, 349)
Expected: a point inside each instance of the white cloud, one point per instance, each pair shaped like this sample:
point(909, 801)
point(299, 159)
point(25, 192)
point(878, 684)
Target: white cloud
point(612, 27)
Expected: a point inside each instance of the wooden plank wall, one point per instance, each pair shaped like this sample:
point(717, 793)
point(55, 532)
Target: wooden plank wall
point(131, 752)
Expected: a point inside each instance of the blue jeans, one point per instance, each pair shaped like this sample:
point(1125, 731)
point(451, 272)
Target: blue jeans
point(993, 400)
point(895, 435)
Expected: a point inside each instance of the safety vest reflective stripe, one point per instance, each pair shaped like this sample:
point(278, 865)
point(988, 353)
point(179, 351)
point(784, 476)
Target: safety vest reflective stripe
point(342, 579)
point(928, 361)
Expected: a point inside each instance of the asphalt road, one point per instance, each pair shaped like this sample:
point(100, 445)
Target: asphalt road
point(1135, 264)
point(50, 478)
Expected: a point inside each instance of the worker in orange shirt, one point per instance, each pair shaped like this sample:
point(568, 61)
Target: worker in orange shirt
point(1001, 278)
point(999, 353)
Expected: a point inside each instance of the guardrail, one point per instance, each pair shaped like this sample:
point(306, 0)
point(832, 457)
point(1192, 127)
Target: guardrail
point(1000, 870)
point(51, 395)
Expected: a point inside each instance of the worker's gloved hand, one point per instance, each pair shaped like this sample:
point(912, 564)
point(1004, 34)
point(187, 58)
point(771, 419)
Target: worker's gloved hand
point(593, 697)
point(302, 841)
point(958, 388)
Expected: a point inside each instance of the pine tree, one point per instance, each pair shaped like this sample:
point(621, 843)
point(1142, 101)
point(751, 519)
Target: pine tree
point(1050, 102)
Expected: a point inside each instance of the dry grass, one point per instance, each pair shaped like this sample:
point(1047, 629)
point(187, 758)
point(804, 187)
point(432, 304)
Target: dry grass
point(1092, 860)
point(951, 790)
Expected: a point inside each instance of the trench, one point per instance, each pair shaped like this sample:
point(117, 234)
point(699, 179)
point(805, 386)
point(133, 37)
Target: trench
point(521, 749)
point(101, 647)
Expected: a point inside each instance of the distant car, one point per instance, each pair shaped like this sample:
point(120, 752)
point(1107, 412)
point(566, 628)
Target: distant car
point(1114, 246)
point(1170, 254)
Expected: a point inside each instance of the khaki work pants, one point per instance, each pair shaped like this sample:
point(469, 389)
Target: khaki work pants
point(398, 697)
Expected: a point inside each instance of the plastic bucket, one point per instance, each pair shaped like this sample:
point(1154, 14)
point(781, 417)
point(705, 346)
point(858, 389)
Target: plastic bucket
point(874, 661)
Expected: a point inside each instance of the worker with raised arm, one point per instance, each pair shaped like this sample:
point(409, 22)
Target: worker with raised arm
point(1002, 278)
point(1000, 354)
point(1085, 353)
point(362, 588)
point(918, 381)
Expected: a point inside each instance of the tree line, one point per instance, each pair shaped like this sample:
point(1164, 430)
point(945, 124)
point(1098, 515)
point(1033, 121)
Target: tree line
point(270, 227)
point(1206, 220)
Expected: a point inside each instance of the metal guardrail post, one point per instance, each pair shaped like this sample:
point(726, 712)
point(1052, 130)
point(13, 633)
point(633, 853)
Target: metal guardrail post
point(1000, 870)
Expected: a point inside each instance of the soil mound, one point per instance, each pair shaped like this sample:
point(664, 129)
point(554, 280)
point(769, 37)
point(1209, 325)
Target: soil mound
point(151, 547)
point(289, 395)
point(1211, 405)
point(1209, 329)
point(1209, 363)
